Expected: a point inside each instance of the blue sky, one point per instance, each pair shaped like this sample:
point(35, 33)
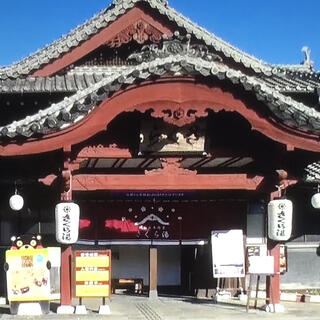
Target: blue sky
point(273, 30)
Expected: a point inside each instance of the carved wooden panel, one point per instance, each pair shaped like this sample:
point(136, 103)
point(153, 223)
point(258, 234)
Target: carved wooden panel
point(171, 167)
point(180, 115)
point(157, 136)
point(101, 151)
point(140, 31)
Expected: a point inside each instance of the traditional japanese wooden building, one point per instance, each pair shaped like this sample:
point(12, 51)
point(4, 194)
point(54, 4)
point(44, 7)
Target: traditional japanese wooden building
point(161, 132)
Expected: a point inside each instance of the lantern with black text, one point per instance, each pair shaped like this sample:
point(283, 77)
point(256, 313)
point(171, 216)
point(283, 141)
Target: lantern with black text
point(280, 219)
point(67, 222)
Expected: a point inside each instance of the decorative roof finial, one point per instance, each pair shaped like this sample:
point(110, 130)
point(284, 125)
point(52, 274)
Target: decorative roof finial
point(165, 3)
point(307, 60)
point(176, 45)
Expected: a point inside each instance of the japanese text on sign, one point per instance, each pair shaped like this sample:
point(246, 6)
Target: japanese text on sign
point(281, 226)
point(66, 227)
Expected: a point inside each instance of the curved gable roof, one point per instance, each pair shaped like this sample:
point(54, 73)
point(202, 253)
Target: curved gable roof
point(118, 8)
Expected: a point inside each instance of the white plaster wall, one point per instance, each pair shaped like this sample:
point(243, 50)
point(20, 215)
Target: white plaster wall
point(134, 263)
point(303, 269)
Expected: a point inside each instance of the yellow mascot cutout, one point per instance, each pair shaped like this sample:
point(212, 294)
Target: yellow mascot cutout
point(28, 276)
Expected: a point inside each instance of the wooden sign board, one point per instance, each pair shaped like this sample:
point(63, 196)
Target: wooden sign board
point(92, 273)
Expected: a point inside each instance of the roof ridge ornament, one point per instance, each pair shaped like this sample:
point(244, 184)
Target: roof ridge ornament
point(140, 31)
point(176, 45)
point(307, 60)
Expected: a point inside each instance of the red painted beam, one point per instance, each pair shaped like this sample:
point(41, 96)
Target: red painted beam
point(166, 182)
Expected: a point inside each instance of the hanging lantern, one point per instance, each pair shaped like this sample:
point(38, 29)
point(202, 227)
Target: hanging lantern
point(16, 202)
point(67, 216)
point(280, 219)
point(315, 200)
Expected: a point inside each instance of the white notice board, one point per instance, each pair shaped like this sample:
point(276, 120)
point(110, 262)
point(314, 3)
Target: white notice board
point(227, 254)
point(261, 265)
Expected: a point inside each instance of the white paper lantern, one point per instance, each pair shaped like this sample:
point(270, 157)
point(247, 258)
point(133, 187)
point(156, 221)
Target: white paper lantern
point(315, 200)
point(16, 202)
point(67, 222)
point(280, 219)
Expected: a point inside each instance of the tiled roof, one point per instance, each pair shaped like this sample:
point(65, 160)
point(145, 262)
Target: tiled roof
point(83, 77)
point(294, 78)
point(73, 109)
point(312, 172)
point(289, 83)
point(105, 17)
point(283, 78)
point(301, 68)
point(77, 79)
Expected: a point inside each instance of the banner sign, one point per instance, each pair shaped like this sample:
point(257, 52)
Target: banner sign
point(28, 278)
point(92, 273)
point(227, 254)
point(159, 220)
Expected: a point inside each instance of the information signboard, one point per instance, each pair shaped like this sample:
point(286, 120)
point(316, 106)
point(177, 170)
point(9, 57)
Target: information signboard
point(257, 250)
point(92, 273)
point(227, 254)
point(261, 265)
point(28, 277)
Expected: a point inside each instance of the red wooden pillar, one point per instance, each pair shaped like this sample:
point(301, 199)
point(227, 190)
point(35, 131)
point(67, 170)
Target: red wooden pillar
point(153, 272)
point(66, 250)
point(65, 276)
point(273, 282)
point(66, 255)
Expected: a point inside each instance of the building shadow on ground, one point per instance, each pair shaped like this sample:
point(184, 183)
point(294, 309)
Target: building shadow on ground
point(213, 302)
point(54, 306)
point(5, 310)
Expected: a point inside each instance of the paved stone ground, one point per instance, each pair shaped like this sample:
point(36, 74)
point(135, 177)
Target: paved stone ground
point(167, 308)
